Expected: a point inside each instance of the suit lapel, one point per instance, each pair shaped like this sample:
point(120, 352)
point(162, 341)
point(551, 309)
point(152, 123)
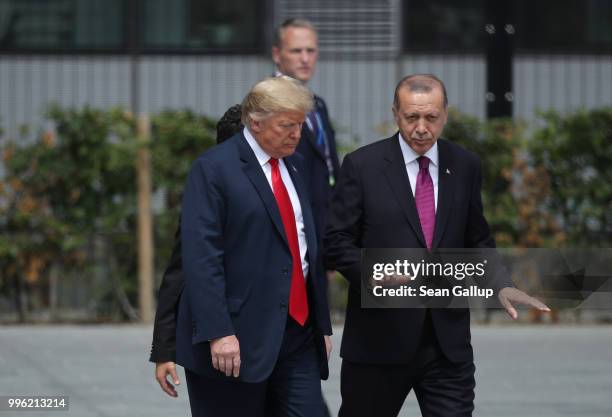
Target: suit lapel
point(395, 171)
point(311, 134)
point(446, 188)
point(311, 237)
point(253, 171)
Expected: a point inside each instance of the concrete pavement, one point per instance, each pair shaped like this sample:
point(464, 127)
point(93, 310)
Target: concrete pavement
point(541, 371)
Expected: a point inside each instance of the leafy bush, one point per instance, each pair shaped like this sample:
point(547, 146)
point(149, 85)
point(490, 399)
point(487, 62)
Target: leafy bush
point(69, 203)
point(68, 200)
point(575, 151)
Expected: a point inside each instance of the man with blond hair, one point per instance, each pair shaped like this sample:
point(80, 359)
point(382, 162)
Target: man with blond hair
point(253, 322)
point(294, 53)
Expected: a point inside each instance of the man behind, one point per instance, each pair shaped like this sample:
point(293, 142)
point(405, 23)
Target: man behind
point(411, 190)
point(253, 321)
point(295, 53)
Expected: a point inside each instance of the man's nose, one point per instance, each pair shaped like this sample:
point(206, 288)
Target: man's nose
point(421, 129)
point(304, 56)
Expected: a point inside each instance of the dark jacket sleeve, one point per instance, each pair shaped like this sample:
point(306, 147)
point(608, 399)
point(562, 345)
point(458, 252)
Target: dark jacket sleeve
point(163, 348)
point(342, 234)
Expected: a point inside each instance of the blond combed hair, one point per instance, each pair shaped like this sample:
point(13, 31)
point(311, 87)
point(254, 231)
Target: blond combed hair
point(276, 95)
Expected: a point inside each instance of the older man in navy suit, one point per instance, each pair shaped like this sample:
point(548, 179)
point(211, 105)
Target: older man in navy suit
point(295, 53)
point(253, 323)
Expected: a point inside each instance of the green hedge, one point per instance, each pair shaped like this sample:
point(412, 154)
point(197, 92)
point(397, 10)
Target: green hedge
point(68, 199)
point(69, 203)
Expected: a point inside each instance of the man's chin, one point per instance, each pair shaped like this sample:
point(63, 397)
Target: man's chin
point(288, 151)
point(421, 147)
point(303, 76)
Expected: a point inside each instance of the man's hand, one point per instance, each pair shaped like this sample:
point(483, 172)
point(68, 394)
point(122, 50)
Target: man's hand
point(509, 295)
point(390, 281)
point(225, 352)
point(162, 370)
point(328, 346)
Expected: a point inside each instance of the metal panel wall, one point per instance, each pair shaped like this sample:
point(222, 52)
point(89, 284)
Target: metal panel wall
point(29, 84)
point(359, 93)
point(207, 85)
point(564, 83)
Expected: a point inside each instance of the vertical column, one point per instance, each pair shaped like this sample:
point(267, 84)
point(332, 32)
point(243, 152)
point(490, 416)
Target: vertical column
point(500, 33)
point(145, 222)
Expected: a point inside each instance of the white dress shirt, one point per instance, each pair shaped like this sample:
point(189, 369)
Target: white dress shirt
point(264, 161)
point(412, 165)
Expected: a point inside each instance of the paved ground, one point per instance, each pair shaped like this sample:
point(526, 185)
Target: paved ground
point(521, 371)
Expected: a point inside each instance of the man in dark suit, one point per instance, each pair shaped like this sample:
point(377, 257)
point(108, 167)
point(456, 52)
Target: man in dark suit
point(411, 190)
point(295, 53)
point(253, 323)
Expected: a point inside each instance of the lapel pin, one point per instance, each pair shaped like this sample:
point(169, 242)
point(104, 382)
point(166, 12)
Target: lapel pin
point(294, 169)
point(448, 171)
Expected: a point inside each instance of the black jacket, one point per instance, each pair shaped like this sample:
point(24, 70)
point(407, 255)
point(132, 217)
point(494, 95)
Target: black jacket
point(373, 207)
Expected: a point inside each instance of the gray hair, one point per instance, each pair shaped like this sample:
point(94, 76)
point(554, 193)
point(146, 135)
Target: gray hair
point(275, 95)
point(419, 83)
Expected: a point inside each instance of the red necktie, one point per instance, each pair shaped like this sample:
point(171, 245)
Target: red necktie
point(298, 302)
point(425, 202)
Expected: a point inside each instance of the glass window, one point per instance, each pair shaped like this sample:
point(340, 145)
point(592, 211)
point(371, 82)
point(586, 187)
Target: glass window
point(206, 25)
point(564, 25)
point(444, 25)
point(61, 24)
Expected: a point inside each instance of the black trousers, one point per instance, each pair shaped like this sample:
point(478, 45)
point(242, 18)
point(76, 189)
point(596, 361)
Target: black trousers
point(442, 388)
point(292, 390)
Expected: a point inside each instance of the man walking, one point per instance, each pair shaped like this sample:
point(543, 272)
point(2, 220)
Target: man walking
point(412, 190)
point(253, 324)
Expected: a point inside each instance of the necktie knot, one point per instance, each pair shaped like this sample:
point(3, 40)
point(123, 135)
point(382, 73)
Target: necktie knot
point(273, 162)
point(423, 162)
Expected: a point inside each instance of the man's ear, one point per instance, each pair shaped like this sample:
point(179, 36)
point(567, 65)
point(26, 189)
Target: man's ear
point(255, 125)
point(276, 55)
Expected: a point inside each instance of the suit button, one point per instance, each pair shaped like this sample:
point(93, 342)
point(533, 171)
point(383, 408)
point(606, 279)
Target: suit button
point(283, 305)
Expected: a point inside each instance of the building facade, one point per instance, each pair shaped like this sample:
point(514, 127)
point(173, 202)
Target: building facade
point(149, 55)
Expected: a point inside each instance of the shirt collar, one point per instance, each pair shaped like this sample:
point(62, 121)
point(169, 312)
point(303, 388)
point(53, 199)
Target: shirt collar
point(261, 155)
point(410, 155)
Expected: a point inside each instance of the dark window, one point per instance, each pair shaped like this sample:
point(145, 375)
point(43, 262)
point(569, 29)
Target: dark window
point(564, 26)
point(203, 25)
point(61, 24)
point(444, 25)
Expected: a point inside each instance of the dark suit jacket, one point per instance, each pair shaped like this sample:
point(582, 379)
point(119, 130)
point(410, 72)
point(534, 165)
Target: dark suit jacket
point(316, 166)
point(237, 263)
point(163, 348)
point(373, 207)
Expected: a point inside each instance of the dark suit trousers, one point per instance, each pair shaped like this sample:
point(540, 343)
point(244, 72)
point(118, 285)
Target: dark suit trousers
point(292, 390)
point(442, 388)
